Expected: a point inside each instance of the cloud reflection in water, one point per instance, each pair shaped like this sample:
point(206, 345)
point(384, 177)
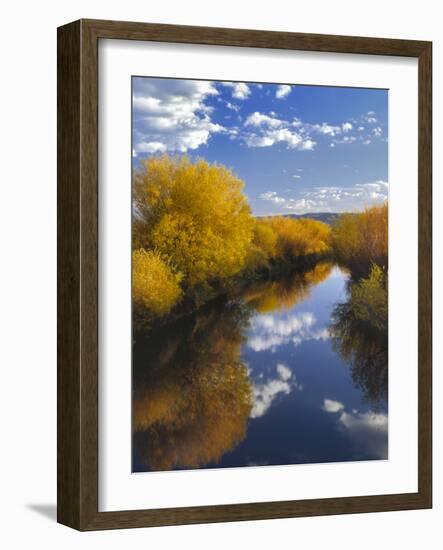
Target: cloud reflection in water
point(272, 331)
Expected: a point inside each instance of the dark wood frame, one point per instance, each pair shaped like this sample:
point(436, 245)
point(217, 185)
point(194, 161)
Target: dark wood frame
point(77, 456)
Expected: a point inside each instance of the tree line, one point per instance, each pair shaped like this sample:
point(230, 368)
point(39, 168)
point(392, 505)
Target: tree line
point(194, 236)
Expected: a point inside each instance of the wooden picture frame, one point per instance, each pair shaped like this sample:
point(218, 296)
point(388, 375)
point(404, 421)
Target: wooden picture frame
point(78, 273)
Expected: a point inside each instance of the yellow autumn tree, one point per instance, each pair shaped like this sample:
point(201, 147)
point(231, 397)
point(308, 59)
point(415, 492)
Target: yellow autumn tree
point(361, 239)
point(194, 214)
point(300, 237)
point(155, 286)
point(263, 246)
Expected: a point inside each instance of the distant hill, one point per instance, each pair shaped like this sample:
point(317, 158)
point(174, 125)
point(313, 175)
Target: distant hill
point(325, 217)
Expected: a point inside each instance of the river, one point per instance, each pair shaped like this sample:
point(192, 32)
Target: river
point(274, 375)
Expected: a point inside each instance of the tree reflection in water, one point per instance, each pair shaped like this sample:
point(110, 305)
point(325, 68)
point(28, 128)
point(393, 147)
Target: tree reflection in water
point(192, 395)
point(359, 332)
point(284, 293)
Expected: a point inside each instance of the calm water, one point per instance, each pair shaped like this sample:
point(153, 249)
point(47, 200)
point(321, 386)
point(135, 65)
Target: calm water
point(275, 375)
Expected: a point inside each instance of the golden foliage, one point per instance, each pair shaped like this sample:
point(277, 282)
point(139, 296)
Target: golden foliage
point(299, 237)
point(192, 395)
point(155, 286)
point(361, 240)
point(284, 293)
point(263, 244)
point(195, 214)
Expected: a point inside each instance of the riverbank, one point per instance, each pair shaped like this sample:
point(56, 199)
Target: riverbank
point(229, 289)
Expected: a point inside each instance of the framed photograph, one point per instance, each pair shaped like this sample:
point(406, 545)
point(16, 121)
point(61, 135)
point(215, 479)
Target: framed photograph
point(242, 333)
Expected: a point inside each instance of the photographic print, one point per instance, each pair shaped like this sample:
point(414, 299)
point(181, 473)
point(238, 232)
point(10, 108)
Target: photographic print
point(259, 274)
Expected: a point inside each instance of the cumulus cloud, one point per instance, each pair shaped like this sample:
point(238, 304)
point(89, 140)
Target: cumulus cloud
point(284, 372)
point(177, 115)
point(150, 147)
point(273, 197)
point(171, 115)
point(368, 430)
point(332, 198)
point(327, 129)
point(331, 406)
point(240, 90)
point(271, 331)
point(264, 393)
point(259, 119)
point(268, 129)
point(233, 106)
point(282, 91)
point(377, 132)
point(270, 136)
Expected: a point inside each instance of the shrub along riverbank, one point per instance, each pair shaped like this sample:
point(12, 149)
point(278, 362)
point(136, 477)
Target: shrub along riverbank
point(194, 237)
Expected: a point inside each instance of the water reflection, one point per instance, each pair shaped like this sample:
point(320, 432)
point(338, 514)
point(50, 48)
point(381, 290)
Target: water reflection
point(264, 393)
point(362, 340)
point(191, 391)
point(262, 378)
point(286, 291)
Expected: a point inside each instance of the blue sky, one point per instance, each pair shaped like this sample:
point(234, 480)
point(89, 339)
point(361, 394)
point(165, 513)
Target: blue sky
point(298, 148)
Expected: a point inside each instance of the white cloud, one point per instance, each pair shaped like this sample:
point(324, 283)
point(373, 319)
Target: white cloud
point(273, 197)
point(284, 372)
point(308, 145)
point(332, 198)
point(357, 421)
point(259, 119)
point(347, 139)
point(369, 431)
point(282, 91)
point(300, 205)
point(233, 106)
point(377, 132)
point(174, 115)
point(150, 147)
point(269, 130)
point(240, 90)
point(331, 406)
point(254, 140)
point(265, 393)
point(271, 133)
point(270, 331)
point(296, 176)
point(327, 129)
point(171, 115)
